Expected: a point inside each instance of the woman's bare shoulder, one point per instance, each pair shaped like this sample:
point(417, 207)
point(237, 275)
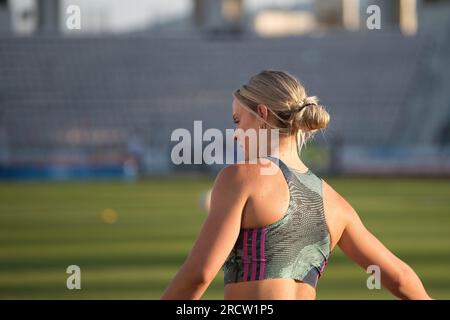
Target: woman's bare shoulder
point(335, 201)
point(338, 211)
point(247, 172)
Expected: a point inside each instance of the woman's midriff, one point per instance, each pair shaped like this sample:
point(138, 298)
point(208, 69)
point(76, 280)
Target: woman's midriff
point(269, 289)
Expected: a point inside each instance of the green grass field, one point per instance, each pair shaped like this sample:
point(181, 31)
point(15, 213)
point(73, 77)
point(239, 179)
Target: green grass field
point(45, 227)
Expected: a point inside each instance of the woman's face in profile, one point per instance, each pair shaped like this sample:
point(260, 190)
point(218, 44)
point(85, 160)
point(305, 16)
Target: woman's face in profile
point(247, 129)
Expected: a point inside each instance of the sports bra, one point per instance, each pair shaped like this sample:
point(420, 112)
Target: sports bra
point(297, 246)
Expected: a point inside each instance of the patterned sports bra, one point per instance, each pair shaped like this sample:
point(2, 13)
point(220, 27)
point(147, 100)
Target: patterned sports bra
point(297, 246)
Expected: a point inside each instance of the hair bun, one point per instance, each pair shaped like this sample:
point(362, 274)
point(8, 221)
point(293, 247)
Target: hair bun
point(310, 115)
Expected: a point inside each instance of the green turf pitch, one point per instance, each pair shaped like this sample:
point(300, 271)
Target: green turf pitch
point(45, 227)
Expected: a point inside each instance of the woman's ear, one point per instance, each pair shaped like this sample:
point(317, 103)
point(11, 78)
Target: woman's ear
point(263, 111)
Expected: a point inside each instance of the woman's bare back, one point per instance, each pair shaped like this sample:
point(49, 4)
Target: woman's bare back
point(265, 206)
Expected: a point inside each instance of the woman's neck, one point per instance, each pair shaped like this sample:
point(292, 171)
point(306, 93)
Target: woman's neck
point(288, 153)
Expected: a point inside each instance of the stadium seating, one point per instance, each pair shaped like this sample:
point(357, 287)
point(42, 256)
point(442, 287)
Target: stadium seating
point(92, 94)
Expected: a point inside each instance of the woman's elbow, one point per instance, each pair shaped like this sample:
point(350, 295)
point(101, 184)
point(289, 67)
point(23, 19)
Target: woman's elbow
point(409, 285)
point(198, 276)
point(192, 276)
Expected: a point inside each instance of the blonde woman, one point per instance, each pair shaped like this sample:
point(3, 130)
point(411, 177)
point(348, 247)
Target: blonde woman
point(273, 234)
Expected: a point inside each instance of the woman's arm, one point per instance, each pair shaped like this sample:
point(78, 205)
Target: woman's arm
point(216, 238)
point(365, 249)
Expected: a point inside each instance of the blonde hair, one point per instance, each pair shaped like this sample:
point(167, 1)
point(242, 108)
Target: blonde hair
point(286, 98)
